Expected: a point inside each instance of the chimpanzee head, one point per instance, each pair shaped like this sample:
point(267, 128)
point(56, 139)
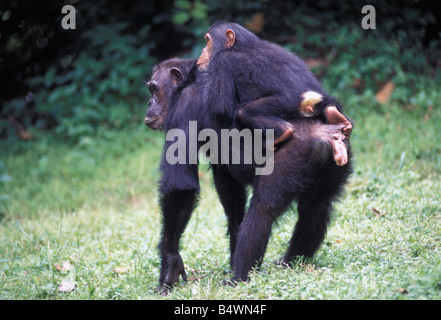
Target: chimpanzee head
point(224, 35)
point(167, 76)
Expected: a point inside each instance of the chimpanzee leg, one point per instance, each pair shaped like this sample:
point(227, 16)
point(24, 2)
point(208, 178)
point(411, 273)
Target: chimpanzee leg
point(265, 113)
point(176, 207)
point(310, 229)
point(252, 240)
point(314, 104)
point(233, 196)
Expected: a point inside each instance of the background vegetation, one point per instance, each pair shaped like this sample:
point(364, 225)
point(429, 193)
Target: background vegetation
point(78, 169)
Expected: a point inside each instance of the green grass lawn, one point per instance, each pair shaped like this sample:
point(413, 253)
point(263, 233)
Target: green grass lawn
point(94, 205)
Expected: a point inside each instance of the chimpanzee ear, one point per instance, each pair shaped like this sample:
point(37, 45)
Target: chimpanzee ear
point(176, 74)
point(231, 38)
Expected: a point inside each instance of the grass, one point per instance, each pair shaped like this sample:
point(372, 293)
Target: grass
point(94, 204)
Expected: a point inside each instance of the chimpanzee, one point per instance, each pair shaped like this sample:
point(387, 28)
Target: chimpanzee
point(267, 84)
point(304, 171)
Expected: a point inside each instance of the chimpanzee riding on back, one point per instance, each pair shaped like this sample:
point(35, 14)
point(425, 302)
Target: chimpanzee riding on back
point(265, 85)
point(304, 171)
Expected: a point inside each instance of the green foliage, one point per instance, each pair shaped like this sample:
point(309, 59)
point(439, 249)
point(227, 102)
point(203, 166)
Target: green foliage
point(186, 11)
point(99, 82)
point(355, 64)
point(104, 86)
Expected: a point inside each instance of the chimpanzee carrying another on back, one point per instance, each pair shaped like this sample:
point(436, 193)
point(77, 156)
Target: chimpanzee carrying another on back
point(304, 171)
point(266, 84)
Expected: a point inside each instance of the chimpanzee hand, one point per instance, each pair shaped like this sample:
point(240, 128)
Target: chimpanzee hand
point(171, 269)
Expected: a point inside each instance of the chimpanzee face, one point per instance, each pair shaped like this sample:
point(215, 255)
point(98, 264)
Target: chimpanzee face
point(204, 58)
point(227, 42)
point(163, 82)
point(157, 106)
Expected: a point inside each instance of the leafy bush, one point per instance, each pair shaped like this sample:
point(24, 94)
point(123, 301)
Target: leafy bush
point(100, 84)
point(354, 64)
point(104, 86)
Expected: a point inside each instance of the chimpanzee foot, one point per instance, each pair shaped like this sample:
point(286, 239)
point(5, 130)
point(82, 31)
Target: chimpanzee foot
point(335, 117)
point(171, 270)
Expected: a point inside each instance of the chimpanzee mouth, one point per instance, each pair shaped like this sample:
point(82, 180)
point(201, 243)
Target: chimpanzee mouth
point(150, 121)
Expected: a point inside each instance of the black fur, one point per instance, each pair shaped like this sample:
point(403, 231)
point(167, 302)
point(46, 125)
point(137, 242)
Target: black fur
point(263, 81)
point(304, 171)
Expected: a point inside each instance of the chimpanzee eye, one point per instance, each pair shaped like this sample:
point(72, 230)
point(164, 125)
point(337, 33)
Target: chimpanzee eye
point(153, 87)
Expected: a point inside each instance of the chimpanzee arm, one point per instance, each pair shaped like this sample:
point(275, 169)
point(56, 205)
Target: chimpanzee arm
point(220, 94)
point(223, 95)
point(179, 189)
